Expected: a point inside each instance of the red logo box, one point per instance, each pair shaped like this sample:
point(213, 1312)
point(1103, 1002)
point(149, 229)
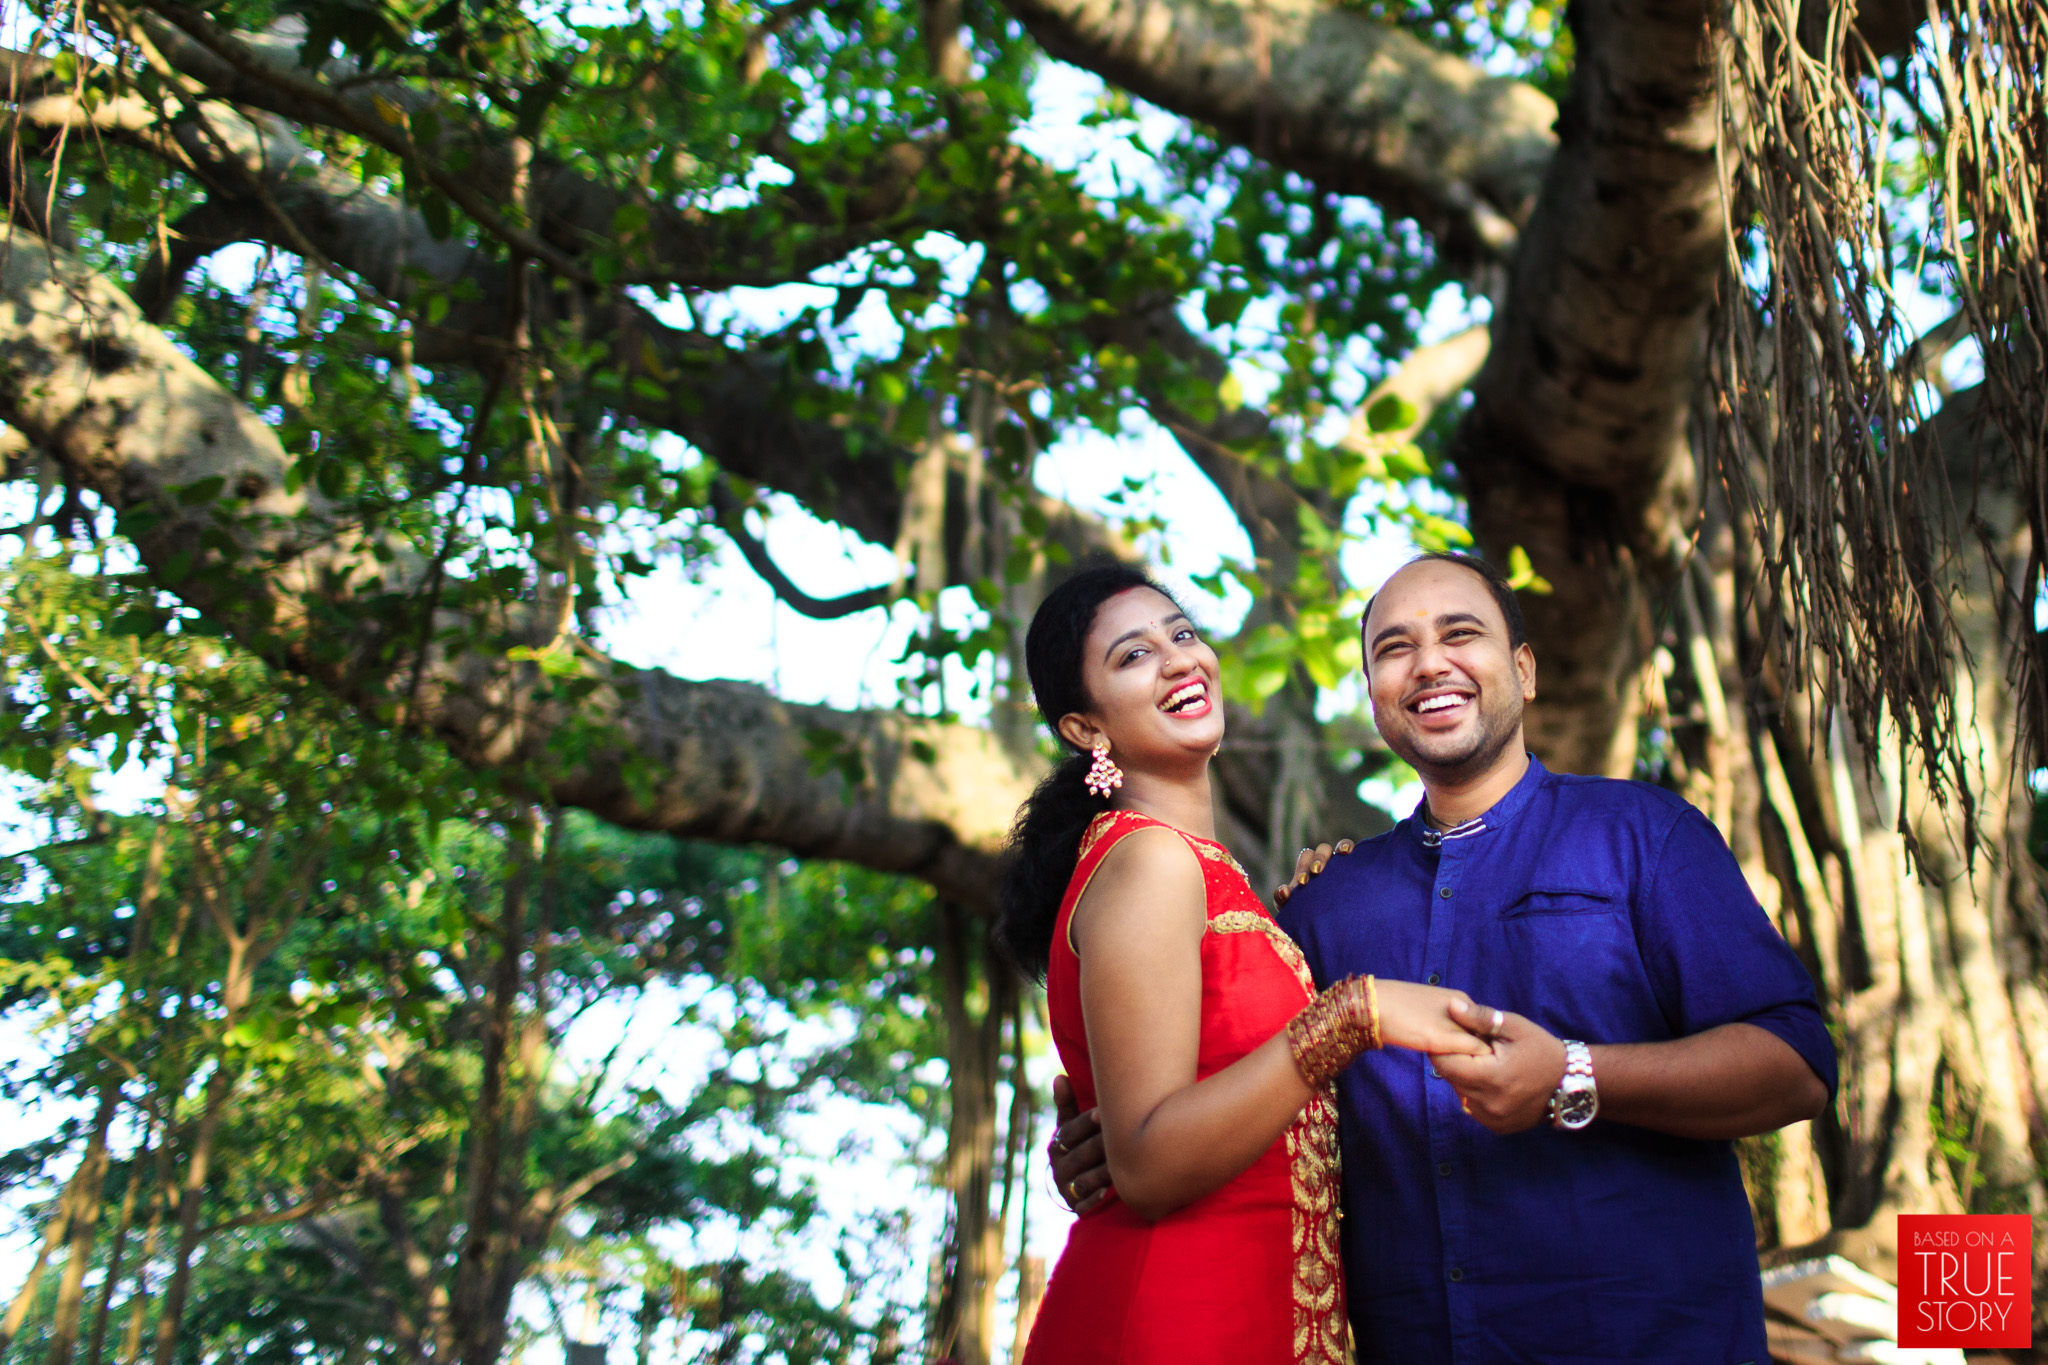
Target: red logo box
point(1966, 1279)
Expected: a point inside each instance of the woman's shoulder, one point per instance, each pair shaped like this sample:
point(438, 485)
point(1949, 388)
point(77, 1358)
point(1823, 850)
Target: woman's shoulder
point(1121, 844)
point(1144, 866)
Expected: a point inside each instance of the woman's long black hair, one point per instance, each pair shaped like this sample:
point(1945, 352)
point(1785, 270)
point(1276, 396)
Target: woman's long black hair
point(1046, 840)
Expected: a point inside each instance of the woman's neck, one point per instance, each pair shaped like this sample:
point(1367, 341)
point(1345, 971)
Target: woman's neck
point(1183, 802)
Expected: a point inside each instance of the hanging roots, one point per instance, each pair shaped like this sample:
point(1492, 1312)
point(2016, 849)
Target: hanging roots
point(1863, 530)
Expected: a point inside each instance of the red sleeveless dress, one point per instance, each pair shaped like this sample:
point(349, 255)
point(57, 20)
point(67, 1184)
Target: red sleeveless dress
point(1249, 1273)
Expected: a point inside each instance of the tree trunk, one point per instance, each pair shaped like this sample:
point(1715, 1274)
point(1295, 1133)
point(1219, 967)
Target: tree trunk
point(962, 1328)
point(647, 1322)
point(246, 949)
point(137, 1306)
point(116, 1256)
point(191, 1195)
point(489, 1234)
point(89, 1183)
point(1030, 1291)
point(53, 1236)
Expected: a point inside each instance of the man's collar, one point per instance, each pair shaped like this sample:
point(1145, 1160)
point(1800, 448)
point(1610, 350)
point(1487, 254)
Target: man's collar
point(1433, 837)
point(1498, 814)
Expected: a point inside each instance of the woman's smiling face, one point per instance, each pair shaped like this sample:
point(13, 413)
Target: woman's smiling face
point(1152, 682)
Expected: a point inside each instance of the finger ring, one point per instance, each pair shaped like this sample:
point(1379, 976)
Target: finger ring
point(1498, 1020)
point(1058, 1148)
point(1465, 1105)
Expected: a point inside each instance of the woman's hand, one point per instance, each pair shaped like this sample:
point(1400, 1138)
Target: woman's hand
point(1080, 1171)
point(1435, 1019)
point(1309, 863)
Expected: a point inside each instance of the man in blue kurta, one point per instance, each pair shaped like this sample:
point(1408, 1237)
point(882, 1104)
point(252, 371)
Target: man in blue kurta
point(1575, 1196)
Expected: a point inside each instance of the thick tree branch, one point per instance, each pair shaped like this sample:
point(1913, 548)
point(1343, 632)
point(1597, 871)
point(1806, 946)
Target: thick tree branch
point(86, 378)
point(319, 104)
point(1575, 447)
point(1430, 377)
point(197, 234)
point(735, 406)
point(1356, 105)
point(1264, 504)
point(828, 211)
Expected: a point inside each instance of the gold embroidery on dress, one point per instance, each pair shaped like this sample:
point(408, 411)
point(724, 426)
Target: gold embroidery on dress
point(1251, 921)
point(1097, 827)
point(1322, 1332)
point(1215, 853)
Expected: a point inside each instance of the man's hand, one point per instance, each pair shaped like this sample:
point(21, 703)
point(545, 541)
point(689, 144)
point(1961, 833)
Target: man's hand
point(1508, 1090)
point(1080, 1169)
point(1308, 863)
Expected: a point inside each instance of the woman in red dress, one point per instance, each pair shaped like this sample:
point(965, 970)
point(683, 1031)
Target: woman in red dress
point(1183, 1012)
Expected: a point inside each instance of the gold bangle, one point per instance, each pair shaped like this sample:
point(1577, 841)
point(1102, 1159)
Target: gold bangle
point(1334, 1028)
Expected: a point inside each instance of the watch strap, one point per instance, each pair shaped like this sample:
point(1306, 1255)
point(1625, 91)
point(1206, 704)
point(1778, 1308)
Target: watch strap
point(1577, 1078)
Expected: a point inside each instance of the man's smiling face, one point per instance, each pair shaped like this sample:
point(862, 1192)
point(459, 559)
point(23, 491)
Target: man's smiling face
point(1448, 687)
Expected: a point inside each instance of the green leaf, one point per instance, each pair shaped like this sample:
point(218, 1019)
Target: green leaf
point(439, 215)
point(556, 662)
point(136, 621)
point(1230, 393)
point(1319, 660)
point(35, 760)
point(1522, 575)
point(1407, 463)
point(137, 522)
point(628, 219)
point(1391, 412)
point(201, 490)
point(1264, 677)
point(1223, 307)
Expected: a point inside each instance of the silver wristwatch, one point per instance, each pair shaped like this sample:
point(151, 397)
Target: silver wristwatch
point(1577, 1099)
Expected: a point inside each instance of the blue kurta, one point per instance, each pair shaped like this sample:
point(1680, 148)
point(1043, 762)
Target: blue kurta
point(1606, 911)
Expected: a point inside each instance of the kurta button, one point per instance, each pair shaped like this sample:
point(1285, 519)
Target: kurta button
point(1443, 1168)
point(1457, 1272)
point(1434, 978)
point(1445, 893)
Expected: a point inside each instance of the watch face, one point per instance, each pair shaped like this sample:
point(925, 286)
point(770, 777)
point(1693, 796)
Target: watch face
point(1575, 1108)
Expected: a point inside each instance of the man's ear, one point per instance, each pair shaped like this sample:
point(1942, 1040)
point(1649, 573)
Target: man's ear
point(1077, 730)
point(1525, 669)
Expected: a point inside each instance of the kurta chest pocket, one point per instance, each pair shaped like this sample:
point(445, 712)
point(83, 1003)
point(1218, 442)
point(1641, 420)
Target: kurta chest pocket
point(1580, 943)
point(1562, 900)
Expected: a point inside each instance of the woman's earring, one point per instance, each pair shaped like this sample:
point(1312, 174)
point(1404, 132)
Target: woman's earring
point(1103, 776)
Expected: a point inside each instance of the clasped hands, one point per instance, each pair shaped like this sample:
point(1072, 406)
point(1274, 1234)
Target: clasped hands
point(1506, 1089)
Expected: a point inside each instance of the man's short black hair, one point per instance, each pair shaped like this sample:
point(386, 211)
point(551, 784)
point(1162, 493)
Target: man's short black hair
point(1496, 583)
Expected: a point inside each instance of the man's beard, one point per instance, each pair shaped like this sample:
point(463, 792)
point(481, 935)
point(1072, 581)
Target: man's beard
point(1472, 755)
